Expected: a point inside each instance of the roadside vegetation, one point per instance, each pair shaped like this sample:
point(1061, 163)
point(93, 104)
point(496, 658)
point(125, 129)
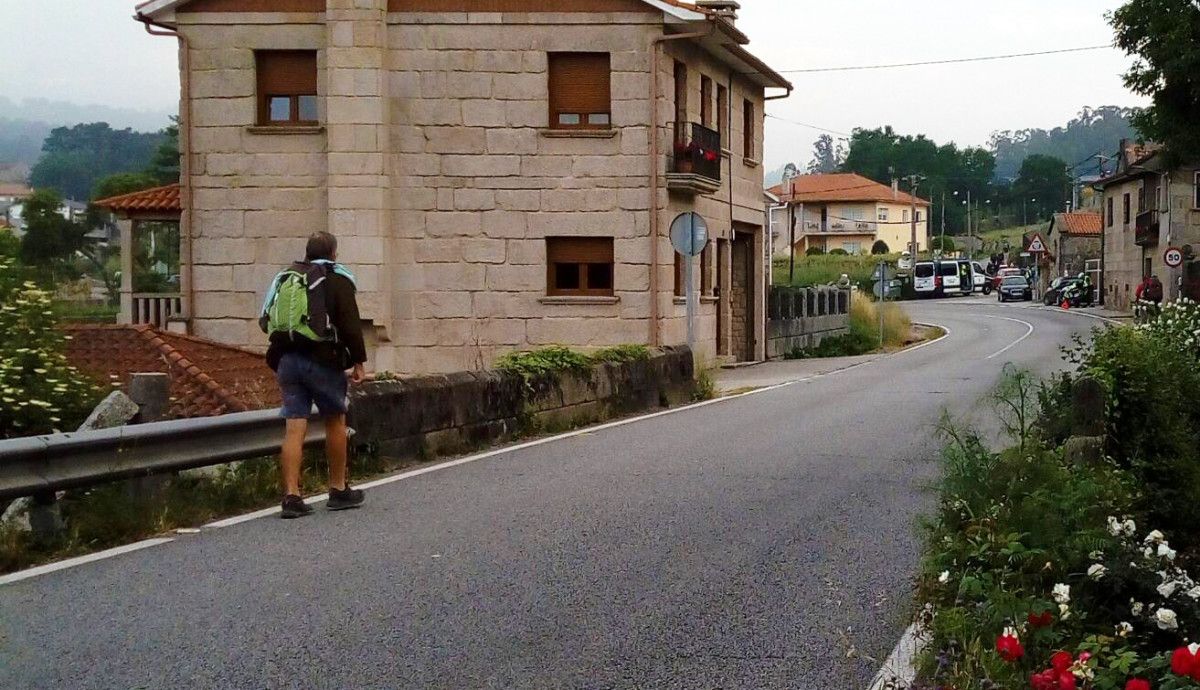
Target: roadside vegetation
point(1064, 562)
point(826, 269)
point(864, 336)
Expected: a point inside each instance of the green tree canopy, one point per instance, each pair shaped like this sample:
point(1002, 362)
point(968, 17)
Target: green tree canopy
point(74, 158)
point(1164, 37)
point(1043, 184)
point(51, 241)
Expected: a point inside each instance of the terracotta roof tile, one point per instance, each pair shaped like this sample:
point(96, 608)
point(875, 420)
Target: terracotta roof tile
point(207, 378)
point(159, 199)
point(1078, 223)
point(839, 187)
point(17, 190)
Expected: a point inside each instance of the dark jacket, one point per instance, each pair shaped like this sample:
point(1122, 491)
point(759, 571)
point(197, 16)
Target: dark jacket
point(348, 349)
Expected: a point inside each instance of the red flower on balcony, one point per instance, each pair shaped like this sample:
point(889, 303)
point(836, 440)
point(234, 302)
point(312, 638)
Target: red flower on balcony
point(1009, 647)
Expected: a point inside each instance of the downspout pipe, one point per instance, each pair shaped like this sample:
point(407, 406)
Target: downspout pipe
point(655, 335)
point(185, 154)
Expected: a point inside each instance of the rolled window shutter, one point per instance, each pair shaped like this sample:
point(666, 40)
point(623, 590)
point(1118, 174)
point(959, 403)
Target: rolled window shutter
point(579, 83)
point(579, 250)
point(287, 72)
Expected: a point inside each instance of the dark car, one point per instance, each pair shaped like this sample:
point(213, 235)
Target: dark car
point(1057, 287)
point(1014, 288)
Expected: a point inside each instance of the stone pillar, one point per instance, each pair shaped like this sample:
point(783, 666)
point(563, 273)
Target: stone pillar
point(126, 314)
point(358, 131)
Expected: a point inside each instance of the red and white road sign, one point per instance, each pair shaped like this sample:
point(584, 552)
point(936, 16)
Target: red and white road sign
point(1173, 257)
point(1036, 245)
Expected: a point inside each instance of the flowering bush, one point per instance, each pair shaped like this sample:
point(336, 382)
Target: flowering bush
point(1048, 575)
point(39, 391)
point(1177, 323)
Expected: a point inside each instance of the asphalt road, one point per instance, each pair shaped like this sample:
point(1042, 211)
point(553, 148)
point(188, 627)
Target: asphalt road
point(763, 542)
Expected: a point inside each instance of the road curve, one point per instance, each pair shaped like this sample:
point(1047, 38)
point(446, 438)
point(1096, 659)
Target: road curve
point(762, 542)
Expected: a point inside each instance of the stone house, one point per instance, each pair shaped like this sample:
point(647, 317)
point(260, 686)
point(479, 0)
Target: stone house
point(1148, 208)
point(500, 173)
point(1073, 240)
point(846, 211)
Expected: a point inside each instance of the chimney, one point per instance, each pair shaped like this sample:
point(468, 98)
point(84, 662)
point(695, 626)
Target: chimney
point(727, 9)
point(895, 189)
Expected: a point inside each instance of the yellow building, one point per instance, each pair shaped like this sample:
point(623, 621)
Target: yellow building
point(849, 212)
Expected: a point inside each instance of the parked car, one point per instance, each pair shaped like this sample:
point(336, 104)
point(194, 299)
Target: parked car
point(906, 261)
point(1004, 272)
point(1056, 289)
point(1014, 288)
point(925, 279)
point(983, 282)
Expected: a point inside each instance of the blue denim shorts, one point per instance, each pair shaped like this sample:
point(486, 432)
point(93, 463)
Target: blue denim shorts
point(304, 383)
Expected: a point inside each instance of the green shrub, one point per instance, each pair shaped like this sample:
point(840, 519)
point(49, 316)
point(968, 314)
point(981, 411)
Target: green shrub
point(943, 243)
point(838, 252)
point(546, 361)
point(814, 251)
point(39, 391)
point(880, 247)
point(621, 353)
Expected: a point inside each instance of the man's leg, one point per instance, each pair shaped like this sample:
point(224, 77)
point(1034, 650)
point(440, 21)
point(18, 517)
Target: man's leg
point(335, 450)
point(292, 454)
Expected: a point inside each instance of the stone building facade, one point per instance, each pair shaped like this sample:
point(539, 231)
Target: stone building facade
point(1074, 240)
point(1149, 207)
point(432, 147)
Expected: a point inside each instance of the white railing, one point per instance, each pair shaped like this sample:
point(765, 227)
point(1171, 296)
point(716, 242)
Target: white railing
point(156, 309)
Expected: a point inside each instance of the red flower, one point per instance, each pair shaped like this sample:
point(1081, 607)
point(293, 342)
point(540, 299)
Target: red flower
point(1046, 680)
point(1066, 681)
point(1061, 661)
point(1009, 647)
point(1137, 684)
point(1040, 620)
point(1183, 662)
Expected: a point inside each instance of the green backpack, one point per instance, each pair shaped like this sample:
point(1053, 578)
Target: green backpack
point(297, 305)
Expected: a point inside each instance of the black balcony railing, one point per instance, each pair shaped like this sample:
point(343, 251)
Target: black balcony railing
point(697, 150)
point(1145, 232)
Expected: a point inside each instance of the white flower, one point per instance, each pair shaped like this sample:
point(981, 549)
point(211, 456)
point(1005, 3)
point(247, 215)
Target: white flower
point(944, 577)
point(1154, 537)
point(1124, 629)
point(1194, 592)
point(1096, 572)
point(1064, 612)
point(1096, 555)
point(1148, 552)
point(1062, 593)
point(1166, 589)
point(1193, 647)
point(1166, 552)
point(1114, 526)
point(1135, 607)
point(1166, 619)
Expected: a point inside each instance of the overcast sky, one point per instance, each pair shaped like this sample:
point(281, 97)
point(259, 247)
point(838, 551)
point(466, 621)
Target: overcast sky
point(90, 51)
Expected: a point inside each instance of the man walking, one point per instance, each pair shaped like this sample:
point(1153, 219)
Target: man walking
point(311, 316)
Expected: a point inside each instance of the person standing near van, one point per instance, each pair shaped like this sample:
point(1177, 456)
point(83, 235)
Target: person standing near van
point(311, 316)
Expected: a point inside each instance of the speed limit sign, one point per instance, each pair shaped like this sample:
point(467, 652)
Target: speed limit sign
point(1173, 257)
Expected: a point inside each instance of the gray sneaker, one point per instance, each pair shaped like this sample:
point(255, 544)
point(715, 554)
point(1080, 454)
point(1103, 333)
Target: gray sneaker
point(345, 499)
point(294, 507)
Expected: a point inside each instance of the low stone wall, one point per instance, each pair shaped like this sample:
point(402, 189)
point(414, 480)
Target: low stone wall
point(441, 414)
point(802, 317)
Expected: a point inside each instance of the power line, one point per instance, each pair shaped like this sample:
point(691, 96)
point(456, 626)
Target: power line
point(951, 61)
point(805, 124)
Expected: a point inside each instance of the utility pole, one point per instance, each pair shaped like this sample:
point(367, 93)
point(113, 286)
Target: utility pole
point(913, 181)
point(970, 232)
point(791, 243)
point(943, 241)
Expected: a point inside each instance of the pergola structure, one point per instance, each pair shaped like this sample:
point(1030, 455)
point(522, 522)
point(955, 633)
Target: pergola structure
point(151, 214)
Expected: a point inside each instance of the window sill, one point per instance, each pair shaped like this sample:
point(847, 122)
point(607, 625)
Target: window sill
point(286, 129)
point(751, 163)
point(554, 133)
point(726, 153)
point(579, 299)
point(704, 299)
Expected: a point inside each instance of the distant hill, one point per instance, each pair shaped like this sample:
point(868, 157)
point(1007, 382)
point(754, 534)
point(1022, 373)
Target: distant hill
point(24, 125)
point(1094, 130)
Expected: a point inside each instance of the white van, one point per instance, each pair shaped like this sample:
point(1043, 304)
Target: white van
point(983, 282)
point(925, 282)
point(947, 272)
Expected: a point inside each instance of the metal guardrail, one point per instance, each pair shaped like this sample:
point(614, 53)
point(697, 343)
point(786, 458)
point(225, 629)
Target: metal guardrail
point(86, 458)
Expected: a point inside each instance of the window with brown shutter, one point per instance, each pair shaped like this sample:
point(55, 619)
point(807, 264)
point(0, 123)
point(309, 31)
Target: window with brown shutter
point(580, 266)
point(681, 78)
point(706, 102)
point(580, 90)
point(706, 270)
point(748, 129)
point(723, 115)
point(680, 275)
point(287, 87)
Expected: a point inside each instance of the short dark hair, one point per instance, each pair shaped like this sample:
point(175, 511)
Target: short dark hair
point(321, 245)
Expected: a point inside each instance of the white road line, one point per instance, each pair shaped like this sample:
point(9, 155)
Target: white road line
point(80, 560)
point(267, 512)
point(1074, 312)
point(899, 671)
point(1015, 342)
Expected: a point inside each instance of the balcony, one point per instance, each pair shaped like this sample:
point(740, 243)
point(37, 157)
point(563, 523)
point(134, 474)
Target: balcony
point(696, 163)
point(1146, 228)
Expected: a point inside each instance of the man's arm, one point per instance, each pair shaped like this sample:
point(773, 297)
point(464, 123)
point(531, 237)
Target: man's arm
point(346, 319)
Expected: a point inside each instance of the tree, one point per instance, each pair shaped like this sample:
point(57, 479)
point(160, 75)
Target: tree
point(51, 241)
point(1164, 36)
point(827, 157)
point(789, 171)
point(123, 183)
point(880, 247)
point(943, 243)
point(1092, 131)
point(74, 158)
point(1043, 183)
point(164, 166)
